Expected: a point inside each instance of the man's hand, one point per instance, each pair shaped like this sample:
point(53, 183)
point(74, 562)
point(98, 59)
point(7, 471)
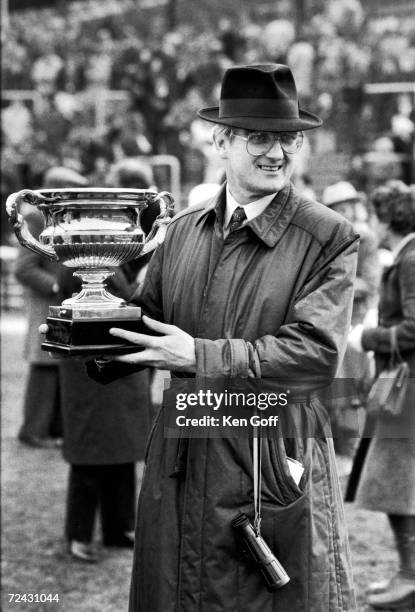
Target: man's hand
point(175, 350)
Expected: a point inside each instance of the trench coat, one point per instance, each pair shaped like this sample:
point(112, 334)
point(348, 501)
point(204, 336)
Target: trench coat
point(277, 292)
point(384, 468)
point(102, 425)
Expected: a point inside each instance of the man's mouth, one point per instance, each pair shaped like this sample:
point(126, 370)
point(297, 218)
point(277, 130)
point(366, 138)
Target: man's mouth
point(272, 168)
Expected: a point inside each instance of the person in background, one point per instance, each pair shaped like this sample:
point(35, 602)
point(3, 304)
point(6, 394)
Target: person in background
point(356, 368)
point(382, 478)
point(131, 173)
point(105, 429)
point(104, 435)
point(41, 427)
point(137, 173)
point(344, 199)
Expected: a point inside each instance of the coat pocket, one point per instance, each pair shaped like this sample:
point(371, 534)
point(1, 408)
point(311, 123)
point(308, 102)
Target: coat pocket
point(301, 425)
point(277, 471)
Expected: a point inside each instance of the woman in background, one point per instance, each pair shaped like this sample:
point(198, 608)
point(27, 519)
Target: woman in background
point(384, 469)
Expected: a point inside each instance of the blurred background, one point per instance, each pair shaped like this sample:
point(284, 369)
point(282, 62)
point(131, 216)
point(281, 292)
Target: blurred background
point(87, 84)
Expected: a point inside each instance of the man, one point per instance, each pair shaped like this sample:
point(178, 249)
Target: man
point(265, 292)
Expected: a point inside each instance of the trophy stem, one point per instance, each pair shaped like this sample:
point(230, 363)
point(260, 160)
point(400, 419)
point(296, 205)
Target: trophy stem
point(94, 293)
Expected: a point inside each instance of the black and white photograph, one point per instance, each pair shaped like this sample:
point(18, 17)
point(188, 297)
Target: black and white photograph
point(207, 306)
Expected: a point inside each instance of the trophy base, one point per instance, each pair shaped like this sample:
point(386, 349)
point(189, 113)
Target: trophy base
point(77, 332)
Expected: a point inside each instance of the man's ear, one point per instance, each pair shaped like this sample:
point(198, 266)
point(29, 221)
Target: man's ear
point(221, 143)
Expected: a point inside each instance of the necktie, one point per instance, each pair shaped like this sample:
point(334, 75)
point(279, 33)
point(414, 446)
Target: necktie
point(238, 217)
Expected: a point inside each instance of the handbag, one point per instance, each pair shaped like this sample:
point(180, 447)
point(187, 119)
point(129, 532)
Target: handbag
point(387, 394)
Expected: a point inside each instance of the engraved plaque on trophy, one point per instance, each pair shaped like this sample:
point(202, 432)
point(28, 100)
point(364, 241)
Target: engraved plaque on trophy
point(93, 231)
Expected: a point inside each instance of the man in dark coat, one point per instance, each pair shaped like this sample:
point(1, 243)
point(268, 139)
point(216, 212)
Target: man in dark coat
point(257, 282)
point(104, 435)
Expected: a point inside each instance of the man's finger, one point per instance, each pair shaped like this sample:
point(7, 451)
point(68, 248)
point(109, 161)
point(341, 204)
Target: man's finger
point(144, 357)
point(43, 329)
point(134, 337)
point(158, 326)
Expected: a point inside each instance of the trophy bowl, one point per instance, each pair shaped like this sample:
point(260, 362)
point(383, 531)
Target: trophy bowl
point(93, 231)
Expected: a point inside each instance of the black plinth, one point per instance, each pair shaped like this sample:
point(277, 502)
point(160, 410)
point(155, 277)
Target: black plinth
point(73, 333)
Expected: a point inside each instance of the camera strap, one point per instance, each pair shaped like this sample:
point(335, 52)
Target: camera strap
point(257, 455)
point(257, 460)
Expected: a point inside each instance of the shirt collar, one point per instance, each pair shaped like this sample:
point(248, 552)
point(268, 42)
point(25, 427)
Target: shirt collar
point(252, 210)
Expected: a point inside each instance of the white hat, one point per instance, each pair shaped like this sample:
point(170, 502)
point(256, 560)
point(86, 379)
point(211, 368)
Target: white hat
point(340, 192)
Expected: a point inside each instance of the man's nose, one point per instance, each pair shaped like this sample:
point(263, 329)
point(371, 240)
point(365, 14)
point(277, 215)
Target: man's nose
point(276, 150)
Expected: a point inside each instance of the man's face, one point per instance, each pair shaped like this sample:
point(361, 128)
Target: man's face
point(250, 178)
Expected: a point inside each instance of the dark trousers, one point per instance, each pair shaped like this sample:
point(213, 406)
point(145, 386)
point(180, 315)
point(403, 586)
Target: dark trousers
point(111, 488)
point(42, 402)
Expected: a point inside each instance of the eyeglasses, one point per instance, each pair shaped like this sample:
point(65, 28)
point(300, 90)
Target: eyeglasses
point(260, 143)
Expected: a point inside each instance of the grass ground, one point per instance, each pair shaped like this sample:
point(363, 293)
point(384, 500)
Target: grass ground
point(34, 559)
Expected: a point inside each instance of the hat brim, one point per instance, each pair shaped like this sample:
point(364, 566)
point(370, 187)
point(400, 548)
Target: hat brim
point(306, 121)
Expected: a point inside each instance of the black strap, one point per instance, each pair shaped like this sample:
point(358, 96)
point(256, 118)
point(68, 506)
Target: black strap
point(395, 352)
point(257, 457)
point(257, 462)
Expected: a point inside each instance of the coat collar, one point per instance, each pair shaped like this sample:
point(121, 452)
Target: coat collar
point(269, 225)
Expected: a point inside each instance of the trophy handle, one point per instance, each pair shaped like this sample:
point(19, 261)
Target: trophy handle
point(158, 231)
point(20, 226)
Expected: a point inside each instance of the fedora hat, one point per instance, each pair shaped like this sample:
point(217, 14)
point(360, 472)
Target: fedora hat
point(260, 97)
point(340, 192)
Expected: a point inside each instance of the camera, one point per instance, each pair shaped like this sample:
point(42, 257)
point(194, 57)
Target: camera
point(257, 549)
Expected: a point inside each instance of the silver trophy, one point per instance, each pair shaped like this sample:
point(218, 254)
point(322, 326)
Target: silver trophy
point(93, 230)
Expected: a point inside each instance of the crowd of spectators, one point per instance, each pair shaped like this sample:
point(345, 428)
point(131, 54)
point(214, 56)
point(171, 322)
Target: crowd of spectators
point(72, 119)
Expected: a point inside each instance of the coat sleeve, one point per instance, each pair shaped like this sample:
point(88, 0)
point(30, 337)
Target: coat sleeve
point(378, 338)
point(309, 346)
